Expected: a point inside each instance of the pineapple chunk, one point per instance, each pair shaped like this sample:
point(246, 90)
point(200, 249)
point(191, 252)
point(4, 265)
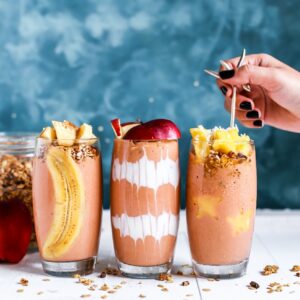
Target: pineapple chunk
point(85, 134)
point(199, 133)
point(48, 133)
point(201, 150)
point(65, 132)
point(233, 132)
point(221, 134)
point(224, 146)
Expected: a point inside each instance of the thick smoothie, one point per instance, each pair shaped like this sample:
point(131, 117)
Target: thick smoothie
point(145, 201)
point(67, 199)
point(221, 197)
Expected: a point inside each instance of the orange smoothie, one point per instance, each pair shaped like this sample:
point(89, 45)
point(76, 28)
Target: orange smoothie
point(145, 201)
point(221, 200)
point(67, 201)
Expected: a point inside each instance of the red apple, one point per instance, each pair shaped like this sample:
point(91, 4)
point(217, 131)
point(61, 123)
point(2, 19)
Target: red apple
point(15, 230)
point(127, 126)
point(116, 126)
point(159, 129)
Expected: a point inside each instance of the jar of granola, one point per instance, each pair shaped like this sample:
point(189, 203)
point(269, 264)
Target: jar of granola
point(16, 154)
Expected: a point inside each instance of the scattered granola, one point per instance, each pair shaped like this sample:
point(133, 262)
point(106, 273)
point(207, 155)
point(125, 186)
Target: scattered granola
point(270, 269)
point(85, 281)
point(123, 282)
point(103, 297)
point(276, 287)
point(295, 268)
point(164, 289)
point(297, 274)
point(85, 296)
point(180, 273)
point(165, 277)
point(111, 291)
point(185, 283)
point(206, 290)
point(160, 286)
point(102, 274)
point(104, 287)
point(142, 296)
point(23, 282)
point(112, 271)
point(116, 287)
point(20, 290)
point(254, 285)
point(40, 293)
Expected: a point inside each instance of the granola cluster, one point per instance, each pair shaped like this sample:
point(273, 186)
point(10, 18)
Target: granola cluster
point(79, 152)
point(15, 182)
point(216, 160)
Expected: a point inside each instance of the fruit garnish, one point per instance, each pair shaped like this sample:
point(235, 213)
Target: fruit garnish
point(69, 202)
point(159, 129)
point(116, 126)
point(200, 133)
point(125, 127)
point(15, 230)
point(220, 140)
point(85, 134)
point(48, 133)
point(65, 132)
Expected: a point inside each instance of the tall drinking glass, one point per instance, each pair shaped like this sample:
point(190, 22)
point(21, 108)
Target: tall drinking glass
point(145, 205)
point(67, 201)
point(221, 203)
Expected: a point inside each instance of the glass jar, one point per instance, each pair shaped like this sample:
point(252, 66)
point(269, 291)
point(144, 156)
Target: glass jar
point(16, 154)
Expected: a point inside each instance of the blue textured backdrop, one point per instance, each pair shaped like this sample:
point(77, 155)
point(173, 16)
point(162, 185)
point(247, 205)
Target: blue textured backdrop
point(91, 61)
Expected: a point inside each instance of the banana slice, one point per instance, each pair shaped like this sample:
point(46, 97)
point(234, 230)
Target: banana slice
point(85, 134)
point(69, 202)
point(65, 132)
point(48, 133)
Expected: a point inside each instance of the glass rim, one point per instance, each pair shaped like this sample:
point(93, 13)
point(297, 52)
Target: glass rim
point(75, 140)
point(251, 142)
point(152, 140)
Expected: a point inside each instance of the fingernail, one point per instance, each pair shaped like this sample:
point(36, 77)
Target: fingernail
point(253, 114)
point(226, 74)
point(246, 105)
point(224, 90)
point(257, 123)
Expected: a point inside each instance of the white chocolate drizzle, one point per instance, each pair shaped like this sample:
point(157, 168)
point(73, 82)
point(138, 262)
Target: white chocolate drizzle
point(147, 173)
point(140, 227)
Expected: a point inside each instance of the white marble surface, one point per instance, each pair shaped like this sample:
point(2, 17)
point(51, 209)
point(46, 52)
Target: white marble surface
point(276, 241)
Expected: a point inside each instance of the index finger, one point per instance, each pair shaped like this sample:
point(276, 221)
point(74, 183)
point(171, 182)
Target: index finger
point(261, 60)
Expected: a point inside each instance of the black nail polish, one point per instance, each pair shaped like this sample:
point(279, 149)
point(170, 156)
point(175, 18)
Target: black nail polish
point(253, 114)
point(226, 74)
point(246, 105)
point(257, 123)
point(224, 90)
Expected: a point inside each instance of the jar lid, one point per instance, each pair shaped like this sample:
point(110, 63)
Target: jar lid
point(17, 143)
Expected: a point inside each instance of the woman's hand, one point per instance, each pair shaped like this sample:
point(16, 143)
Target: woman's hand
point(275, 92)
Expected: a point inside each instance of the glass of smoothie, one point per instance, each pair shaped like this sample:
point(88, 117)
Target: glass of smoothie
point(67, 198)
point(145, 196)
point(221, 201)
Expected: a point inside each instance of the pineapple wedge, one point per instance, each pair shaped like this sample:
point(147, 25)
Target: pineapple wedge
point(48, 133)
point(85, 134)
point(201, 138)
point(220, 140)
point(65, 132)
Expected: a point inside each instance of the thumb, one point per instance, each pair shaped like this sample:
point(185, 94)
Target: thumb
point(254, 75)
